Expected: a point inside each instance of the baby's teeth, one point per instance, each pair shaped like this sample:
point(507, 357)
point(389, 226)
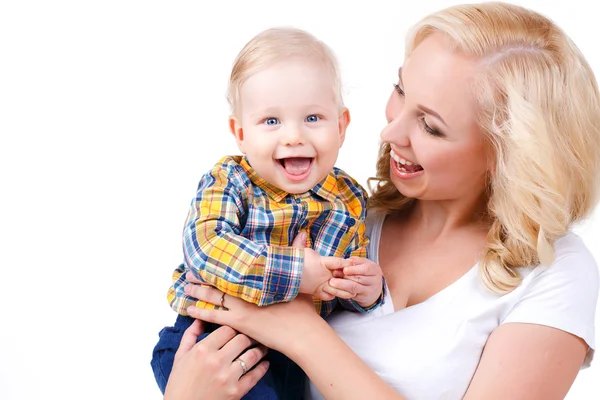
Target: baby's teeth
point(403, 162)
point(408, 163)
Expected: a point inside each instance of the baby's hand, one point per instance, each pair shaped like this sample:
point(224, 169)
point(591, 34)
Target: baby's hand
point(317, 272)
point(362, 282)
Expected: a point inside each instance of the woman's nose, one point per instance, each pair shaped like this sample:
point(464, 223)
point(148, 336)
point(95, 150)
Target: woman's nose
point(396, 132)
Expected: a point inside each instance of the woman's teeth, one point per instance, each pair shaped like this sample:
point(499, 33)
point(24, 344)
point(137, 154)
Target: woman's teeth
point(400, 160)
point(405, 165)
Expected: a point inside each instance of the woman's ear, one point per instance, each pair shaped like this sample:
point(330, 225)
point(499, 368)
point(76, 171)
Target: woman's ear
point(235, 127)
point(343, 122)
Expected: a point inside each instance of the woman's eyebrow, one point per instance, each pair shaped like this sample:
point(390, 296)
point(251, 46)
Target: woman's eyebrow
point(422, 107)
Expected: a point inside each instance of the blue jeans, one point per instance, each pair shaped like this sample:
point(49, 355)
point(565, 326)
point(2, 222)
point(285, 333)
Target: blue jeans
point(283, 381)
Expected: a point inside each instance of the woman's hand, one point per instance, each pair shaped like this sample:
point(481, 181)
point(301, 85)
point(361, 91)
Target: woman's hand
point(210, 369)
point(274, 326)
point(296, 330)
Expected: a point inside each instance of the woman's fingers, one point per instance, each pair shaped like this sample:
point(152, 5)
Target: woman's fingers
point(219, 337)
point(191, 278)
point(237, 345)
point(249, 380)
point(189, 338)
point(205, 293)
point(219, 317)
point(246, 361)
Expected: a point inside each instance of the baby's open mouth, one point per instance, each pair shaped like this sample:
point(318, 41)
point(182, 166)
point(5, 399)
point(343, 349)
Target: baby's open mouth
point(296, 169)
point(296, 166)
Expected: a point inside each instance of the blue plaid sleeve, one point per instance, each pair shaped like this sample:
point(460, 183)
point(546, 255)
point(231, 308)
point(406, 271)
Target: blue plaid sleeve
point(216, 253)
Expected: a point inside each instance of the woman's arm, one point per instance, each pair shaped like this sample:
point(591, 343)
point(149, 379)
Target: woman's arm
point(542, 342)
point(527, 361)
point(520, 361)
point(297, 331)
point(335, 370)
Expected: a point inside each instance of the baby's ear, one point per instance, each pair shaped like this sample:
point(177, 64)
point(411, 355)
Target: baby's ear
point(235, 127)
point(343, 122)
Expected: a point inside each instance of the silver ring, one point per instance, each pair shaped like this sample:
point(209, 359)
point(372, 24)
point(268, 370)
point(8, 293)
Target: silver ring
point(223, 300)
point(243, 364)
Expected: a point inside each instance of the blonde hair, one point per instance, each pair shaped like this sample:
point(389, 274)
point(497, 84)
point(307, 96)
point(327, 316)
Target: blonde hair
point(274, 45)
point(539, 107)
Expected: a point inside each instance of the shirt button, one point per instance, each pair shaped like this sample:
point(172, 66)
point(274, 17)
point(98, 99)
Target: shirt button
point(298, 200)
point(351, 222)
point(278, 297)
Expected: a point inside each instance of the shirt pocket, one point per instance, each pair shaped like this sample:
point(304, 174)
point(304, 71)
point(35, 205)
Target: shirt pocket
point(333, 232)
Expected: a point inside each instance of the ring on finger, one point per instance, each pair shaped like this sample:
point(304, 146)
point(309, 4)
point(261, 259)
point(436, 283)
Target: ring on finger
point(223, 301)
point(243, 364)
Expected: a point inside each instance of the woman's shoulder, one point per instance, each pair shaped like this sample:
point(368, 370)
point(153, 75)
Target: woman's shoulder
point(572, 257)
point(573, 272)
point(571, 243)
point(563, 294)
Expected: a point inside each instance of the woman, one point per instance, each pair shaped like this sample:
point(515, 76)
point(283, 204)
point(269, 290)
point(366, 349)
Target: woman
point(489, 157)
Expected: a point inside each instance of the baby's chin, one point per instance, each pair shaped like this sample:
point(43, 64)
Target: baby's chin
point(298, 187)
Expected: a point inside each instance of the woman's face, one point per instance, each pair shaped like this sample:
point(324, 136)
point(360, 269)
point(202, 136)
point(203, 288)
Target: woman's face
point(438, 150)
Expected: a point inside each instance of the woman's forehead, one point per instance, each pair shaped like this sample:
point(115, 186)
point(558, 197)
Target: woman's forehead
point(439, 78)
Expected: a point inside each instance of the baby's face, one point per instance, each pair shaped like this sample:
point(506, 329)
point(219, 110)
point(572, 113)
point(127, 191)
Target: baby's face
point(290, 124)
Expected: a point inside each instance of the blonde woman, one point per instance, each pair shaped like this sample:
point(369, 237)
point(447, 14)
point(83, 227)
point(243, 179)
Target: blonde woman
point(490, 155)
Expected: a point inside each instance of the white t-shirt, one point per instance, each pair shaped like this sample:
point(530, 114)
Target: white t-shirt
point(431, 350)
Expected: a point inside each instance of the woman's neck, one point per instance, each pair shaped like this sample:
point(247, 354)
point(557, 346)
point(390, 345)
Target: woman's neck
point(439, 218)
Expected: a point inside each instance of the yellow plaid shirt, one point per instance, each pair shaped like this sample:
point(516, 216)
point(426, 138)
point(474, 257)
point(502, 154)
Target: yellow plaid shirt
point(239, 229)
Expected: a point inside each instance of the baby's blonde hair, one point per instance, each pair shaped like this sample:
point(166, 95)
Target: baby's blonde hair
point(275, 45)
point(539, 107)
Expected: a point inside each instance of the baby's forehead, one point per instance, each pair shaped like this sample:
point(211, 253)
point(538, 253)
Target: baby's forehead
point(293, 66)
point(304, 77)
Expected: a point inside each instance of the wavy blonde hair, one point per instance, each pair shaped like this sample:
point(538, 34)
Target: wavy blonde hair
point(539, 107)
point(275, 45)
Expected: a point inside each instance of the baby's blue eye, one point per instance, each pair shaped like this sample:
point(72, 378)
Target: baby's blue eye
point(312, 118)
point(271, 121)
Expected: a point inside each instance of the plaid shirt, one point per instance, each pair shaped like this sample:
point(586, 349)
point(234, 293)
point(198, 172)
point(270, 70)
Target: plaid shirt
point(239, 230)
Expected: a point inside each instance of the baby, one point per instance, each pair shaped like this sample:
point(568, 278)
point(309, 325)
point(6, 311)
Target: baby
point(289, 122)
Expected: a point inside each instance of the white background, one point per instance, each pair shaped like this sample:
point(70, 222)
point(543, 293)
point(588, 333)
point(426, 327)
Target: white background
point(109, 113)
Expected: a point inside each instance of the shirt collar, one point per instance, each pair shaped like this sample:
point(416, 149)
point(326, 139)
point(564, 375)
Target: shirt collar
point(326, 189)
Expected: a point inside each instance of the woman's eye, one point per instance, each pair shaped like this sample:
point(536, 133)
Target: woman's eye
point(399, 90)
point(271, 121)
point(312, 118)
point(429, 129)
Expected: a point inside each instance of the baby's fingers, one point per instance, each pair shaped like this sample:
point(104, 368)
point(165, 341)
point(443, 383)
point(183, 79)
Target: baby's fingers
point(366, 269)
point(344, 288)
point(336, 292)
